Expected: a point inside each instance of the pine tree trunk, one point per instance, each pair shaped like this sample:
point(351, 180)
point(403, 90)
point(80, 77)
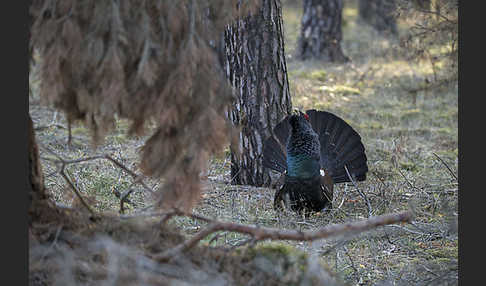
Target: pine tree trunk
point(321, 34)
point(254, 61)
point(379, 14)
point(37, 193)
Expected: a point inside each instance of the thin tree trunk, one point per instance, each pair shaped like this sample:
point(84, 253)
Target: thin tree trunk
point(379, 14)
point(256, 67)
point(321, 33)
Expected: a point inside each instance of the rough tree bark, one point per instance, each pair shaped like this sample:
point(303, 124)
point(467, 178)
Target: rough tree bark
point(379, 14)
point(37, 194)
point(321, 35)
point(254, 60)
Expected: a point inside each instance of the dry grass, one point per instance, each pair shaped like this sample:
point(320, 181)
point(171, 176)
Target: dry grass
point(401, 131)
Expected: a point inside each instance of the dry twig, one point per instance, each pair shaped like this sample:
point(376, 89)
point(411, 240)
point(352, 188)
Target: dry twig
point(442, 161)
point(123, 196)
point(137, 178)
point(76, 191)
point(361, 193)
point(63, 163)
point(408, 181)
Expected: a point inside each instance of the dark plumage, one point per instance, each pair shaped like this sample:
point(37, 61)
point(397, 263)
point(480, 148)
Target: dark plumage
point(304, 144)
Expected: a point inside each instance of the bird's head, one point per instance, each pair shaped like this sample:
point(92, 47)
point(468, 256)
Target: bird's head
point(299, 120)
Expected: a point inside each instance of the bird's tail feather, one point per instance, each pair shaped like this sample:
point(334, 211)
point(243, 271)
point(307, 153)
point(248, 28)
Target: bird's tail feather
point(273, 156)
point(340, 146)
point(274, 153)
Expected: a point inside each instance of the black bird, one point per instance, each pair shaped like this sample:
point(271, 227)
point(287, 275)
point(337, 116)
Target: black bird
point(312, 151)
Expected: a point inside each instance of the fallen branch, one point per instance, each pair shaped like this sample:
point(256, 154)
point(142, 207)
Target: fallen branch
point(263, 233)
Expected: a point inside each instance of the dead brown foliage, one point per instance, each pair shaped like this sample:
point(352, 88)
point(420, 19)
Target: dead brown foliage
point(147, 61)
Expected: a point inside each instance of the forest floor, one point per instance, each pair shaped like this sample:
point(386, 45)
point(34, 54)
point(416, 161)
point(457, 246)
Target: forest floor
point(411, 141)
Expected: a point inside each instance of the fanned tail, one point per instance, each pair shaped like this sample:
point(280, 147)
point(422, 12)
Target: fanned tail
point(273, 156)
point(340, 146)
point(274, 153)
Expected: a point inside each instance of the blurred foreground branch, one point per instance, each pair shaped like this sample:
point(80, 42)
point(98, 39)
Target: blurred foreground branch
point(262, 233)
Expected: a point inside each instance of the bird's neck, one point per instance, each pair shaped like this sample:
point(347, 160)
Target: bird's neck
point(302, 167)
point(303, 154)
